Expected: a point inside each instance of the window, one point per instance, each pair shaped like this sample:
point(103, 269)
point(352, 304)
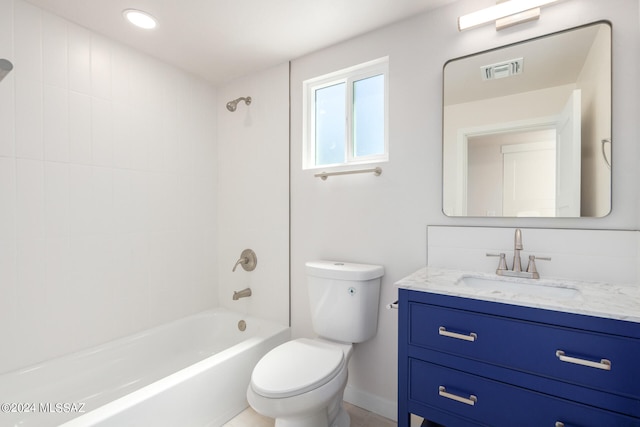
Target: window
point(345, 120)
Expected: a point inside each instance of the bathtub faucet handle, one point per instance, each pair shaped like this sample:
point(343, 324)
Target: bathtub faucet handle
point(248, 260)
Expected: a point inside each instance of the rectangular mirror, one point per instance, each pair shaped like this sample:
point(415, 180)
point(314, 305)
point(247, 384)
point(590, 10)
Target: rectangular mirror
point(527, 128)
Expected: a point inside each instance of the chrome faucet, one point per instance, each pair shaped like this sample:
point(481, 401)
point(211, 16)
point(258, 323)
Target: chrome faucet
point(516, 270)
point(246, 292)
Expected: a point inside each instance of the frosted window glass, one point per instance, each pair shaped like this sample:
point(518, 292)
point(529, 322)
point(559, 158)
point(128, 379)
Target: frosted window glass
point(330, 124)
point(368, 116)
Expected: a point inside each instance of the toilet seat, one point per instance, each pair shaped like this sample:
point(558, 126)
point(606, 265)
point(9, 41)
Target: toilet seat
point(296, 367)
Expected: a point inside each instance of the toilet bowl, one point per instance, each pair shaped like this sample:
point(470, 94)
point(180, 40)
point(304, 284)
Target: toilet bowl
point(301, 383)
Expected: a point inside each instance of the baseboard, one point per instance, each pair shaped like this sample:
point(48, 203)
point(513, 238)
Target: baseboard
point(371, 402)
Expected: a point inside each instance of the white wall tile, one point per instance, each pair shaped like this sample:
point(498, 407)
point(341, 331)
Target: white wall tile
point(252, 203)
point(7, 198)
point(79, 128)
point(55, 124)
point(29, 199)
point(163, 269)
point(28, 36)
point(101, 132)
point(100, 67)
point(6, 30)
point(86, 228)
point(8, 266)
point(31, 286)
point(79, 42)
point(80, 201)
point(132, 136)
point(31, 299)
point(102, 200)
point(163, 192)
point(131, 201)
point(8, 327)
point(186, 201)
point(55, 58)
point(56, 200)
point(7, 114)
point(121, 74)
point(131, 255)
point(157, 154)
point(58, 264)
point(28, 118)
point(7, 102)
point(123, 136)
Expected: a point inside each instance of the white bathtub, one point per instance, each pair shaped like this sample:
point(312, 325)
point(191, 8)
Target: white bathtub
point(190, 372)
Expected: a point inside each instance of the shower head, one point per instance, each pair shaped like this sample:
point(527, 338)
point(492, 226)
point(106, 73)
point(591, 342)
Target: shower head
point(5, 67)
point(232, 105)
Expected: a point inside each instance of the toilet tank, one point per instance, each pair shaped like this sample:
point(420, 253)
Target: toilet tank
point(344, 299)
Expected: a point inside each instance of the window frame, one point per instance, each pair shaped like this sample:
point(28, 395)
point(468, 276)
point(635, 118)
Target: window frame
point(348, 76)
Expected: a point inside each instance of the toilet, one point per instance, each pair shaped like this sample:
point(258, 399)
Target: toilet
point(301, 382)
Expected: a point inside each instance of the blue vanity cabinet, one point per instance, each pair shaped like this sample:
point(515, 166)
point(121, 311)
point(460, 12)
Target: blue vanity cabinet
point(465, 362)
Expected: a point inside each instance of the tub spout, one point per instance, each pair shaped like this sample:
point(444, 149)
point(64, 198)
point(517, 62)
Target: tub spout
point(241, 294)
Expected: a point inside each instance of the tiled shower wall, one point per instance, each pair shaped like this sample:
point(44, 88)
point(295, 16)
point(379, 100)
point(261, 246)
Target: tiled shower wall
point(108, 188)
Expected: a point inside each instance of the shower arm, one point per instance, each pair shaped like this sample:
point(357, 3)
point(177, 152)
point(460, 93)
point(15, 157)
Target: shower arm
point(232, 105)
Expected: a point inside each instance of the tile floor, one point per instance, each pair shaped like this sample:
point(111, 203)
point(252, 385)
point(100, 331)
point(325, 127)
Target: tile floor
point(359, 418)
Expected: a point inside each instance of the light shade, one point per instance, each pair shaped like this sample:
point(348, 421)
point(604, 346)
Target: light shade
point(140, 19)
point(498, 11)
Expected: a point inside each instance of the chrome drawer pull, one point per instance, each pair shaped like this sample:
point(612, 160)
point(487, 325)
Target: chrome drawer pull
point(470, 401)
point(443, 331)
point(559, 424)
point(603, 364)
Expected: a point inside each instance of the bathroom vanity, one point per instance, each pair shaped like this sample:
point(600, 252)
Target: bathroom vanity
point(476, 349)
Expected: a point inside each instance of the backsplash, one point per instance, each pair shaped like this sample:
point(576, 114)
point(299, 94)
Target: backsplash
point(591, 255)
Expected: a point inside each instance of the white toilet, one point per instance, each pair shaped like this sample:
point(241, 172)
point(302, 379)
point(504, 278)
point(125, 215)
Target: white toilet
point(301, 382)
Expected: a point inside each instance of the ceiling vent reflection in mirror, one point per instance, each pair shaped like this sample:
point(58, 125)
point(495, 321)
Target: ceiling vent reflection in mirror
point(502, 69)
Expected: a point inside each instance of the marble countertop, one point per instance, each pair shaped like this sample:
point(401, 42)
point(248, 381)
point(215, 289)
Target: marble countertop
point(621, 302)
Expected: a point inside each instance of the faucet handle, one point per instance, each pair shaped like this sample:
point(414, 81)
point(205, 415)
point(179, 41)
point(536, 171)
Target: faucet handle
point(502, 264)
point(531, 268)
point(248, 260)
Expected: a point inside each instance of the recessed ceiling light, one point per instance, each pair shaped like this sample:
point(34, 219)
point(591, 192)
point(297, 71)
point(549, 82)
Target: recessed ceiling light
point(140, 19)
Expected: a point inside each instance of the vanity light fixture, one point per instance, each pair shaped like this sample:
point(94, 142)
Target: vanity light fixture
point(504, 14)
point(140, 19)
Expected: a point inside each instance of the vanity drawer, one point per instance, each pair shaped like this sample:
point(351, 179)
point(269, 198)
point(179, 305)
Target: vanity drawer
point(498, 404)
point(604, 362)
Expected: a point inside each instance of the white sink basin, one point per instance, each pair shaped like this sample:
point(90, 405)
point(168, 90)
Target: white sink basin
point(532, 287)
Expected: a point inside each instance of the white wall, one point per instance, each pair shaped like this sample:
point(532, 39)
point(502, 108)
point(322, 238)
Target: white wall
point(382, 219)
point(107, 189)
point(253, 199)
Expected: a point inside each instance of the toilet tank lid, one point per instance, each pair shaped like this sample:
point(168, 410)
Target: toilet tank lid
point(343, 270)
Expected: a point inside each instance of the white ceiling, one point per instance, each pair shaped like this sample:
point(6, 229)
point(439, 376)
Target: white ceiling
point(223, 39)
